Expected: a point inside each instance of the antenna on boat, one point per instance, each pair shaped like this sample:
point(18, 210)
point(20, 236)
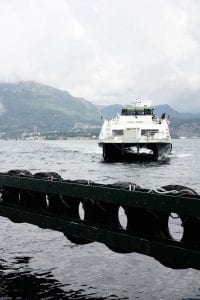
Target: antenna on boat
point(136, 102)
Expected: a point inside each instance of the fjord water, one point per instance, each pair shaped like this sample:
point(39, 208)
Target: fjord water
point(42, 264)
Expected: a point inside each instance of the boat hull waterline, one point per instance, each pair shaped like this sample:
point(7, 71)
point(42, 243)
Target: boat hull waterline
point(120, 152)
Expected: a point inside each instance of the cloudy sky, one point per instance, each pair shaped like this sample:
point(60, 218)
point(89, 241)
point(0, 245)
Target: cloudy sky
point(107, 51)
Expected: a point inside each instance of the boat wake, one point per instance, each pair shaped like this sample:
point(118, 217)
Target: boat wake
point(181, 155)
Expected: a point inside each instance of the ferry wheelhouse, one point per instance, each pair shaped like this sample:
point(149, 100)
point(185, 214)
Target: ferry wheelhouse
point(136, 133)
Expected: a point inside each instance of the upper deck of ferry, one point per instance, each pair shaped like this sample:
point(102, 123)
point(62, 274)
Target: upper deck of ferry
point(137, 111)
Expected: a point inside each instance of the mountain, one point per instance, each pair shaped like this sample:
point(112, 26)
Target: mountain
point(185, 127)
point(25, 105)
point(174, 113)
point(111, 111)
point(29, 107)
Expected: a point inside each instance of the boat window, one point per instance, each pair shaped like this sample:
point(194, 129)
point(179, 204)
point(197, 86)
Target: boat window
point(148, 111)
point(137, 112)
point(117, 132)
point(125, 112)
point(149, 132)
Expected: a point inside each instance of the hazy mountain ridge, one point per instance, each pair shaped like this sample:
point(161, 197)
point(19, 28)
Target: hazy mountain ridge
point(29, 106)
point(185, 127)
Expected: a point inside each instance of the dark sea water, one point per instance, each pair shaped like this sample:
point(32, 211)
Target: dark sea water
point(42, 264)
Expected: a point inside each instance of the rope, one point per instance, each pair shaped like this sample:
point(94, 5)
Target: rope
point(163, 191)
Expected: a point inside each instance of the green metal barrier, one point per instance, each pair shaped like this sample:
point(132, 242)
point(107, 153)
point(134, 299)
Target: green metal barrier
point(48, 201)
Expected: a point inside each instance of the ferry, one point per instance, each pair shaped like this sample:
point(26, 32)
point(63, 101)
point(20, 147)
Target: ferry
point(136, 133)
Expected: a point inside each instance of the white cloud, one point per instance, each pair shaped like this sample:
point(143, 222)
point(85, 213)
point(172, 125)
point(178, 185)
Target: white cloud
point(107, 51)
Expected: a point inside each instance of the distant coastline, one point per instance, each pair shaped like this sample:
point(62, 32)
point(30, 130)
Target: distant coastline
point(29, 109)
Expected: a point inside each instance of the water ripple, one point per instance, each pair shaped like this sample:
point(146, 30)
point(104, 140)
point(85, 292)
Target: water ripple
point(42, 264)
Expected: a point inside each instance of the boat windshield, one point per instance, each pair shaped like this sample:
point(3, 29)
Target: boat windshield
point(137, 111)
